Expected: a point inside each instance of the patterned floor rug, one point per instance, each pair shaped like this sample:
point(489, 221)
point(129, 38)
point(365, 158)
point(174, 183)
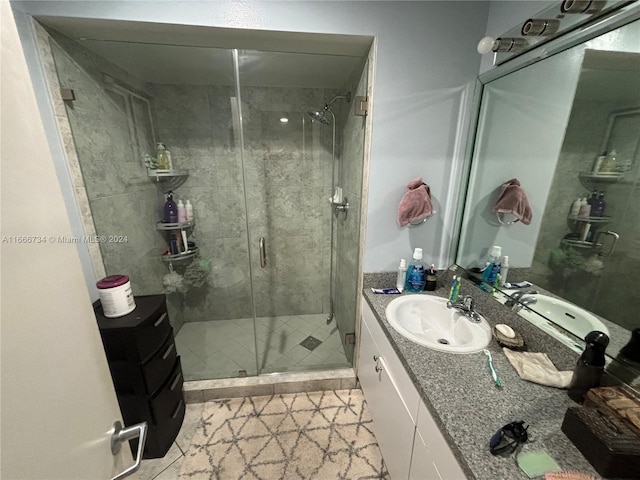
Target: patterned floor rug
point(316, 435)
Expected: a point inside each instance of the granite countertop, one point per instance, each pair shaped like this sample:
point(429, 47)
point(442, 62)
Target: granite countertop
point(461, 396)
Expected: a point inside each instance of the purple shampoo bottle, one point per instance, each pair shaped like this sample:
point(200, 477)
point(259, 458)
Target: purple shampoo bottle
point(170, 209)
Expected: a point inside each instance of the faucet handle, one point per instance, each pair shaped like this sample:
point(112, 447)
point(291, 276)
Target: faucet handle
point(468, 302)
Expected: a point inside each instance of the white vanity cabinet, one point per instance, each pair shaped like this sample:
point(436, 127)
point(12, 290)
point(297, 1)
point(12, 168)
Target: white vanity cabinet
point(412, 445)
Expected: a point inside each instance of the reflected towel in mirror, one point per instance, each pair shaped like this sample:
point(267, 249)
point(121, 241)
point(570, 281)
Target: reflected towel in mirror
point(514, 200)
point(415, 204)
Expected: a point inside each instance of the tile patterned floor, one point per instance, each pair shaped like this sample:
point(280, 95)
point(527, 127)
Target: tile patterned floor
point(221, 348)
point(170, 466)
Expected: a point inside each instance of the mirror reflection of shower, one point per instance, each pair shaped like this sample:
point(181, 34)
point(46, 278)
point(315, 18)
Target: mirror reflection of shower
point(320, 116)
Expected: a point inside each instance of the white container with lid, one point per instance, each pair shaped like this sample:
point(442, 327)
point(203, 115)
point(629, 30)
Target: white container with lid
point(116, 296)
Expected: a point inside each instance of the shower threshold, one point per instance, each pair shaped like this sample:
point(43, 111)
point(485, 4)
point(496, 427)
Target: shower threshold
point(198, 391)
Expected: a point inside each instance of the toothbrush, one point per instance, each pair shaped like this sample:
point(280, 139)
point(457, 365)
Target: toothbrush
point(494, 375)
point(452, 292)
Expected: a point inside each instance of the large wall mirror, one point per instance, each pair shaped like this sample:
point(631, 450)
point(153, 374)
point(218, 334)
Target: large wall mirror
point(567, 126)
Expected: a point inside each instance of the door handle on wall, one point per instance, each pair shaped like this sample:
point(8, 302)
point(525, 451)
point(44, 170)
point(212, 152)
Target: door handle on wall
point(615, 236)
point(121, 435)
point(263, 253)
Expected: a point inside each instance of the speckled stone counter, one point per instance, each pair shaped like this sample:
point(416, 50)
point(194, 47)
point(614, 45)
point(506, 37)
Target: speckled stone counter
point(461, 396)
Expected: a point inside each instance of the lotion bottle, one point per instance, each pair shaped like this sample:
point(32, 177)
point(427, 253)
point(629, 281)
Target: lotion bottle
point(182, 212)
point(189, 210)
point(504, 270)
point(402, 275)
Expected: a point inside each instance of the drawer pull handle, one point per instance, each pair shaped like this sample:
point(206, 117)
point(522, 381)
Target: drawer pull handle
point(175, 413)
point(160, 320)
point(377, 359)
point(166, 354)
point(175, 381)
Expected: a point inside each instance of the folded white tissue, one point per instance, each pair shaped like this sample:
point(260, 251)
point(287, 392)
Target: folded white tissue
point(538, 368)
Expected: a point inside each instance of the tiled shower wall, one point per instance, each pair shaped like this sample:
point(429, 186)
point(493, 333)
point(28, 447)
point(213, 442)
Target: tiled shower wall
point(122, 201)
point(288, 177)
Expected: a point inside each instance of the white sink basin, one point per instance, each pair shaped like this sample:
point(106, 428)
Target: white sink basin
point(426, 320)
point(564, 314)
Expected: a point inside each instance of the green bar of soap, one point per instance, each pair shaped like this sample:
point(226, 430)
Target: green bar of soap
point(536, 463)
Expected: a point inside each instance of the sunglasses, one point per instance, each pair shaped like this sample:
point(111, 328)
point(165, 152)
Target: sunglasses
point(508, 438)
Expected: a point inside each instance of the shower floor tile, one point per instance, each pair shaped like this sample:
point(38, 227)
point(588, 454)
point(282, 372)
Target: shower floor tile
point(221, 348)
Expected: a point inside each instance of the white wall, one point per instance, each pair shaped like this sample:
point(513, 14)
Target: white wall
point(426, 63)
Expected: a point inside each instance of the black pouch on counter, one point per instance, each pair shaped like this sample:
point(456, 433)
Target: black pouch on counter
point(605, 441)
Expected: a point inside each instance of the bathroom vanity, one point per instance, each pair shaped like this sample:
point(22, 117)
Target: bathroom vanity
point(434, 412)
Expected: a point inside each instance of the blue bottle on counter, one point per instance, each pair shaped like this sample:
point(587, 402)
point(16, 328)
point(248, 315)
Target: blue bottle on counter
point(491, 271)
point(416, 274)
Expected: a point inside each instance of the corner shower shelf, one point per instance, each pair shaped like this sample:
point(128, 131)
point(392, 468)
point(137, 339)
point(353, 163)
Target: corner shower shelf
point(579, 244)
point(576, 218)
point(590, 178)
point(180, 257)
point(167, 180)
point(174, 226)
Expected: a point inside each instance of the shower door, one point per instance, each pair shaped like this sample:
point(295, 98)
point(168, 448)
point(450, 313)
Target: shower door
point(288, 171)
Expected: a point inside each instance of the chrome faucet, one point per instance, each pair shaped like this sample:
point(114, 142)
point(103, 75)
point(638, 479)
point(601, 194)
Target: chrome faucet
point(514, 298)
point(524, 302)
point(467, 308)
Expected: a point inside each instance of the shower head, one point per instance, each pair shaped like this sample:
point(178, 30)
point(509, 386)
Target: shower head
point(319, 116)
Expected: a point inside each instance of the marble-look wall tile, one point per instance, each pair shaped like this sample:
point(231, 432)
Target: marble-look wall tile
point(287, 170)
point(114, 193)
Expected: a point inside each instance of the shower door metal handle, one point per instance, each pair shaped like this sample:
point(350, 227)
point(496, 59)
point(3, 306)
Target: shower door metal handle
point(615, 236)
point(121, 435)
point(263, 253)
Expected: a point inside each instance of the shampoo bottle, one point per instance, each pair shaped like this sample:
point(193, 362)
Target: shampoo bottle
point(170, 209)
point(416, 276)
point(189, 209)
point(590, 366)
point(402, 275)
point(575, 207)
point(182, 212)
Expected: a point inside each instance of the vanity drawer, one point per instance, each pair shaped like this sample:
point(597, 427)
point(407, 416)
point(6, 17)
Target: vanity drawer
point(156, 371)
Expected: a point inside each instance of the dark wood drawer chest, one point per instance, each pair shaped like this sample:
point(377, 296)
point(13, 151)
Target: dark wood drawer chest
point(146, 371)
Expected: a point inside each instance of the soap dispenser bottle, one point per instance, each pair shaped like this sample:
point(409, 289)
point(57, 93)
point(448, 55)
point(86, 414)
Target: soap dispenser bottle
point(162, 157)
point(416, 276)
point(590, 366)
point(170, 209)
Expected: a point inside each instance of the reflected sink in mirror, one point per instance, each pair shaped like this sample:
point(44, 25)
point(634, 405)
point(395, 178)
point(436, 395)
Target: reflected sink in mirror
point(566, 315)
point(426, 320)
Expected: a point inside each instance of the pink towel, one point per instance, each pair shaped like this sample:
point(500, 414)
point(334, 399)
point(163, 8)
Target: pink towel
point(416, 203)
point(513, 200)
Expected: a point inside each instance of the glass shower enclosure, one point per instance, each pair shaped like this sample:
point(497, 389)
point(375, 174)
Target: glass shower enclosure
point(252, 295)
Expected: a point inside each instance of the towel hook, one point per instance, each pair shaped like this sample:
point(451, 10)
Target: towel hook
point(413, 225)
point(500, 217)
